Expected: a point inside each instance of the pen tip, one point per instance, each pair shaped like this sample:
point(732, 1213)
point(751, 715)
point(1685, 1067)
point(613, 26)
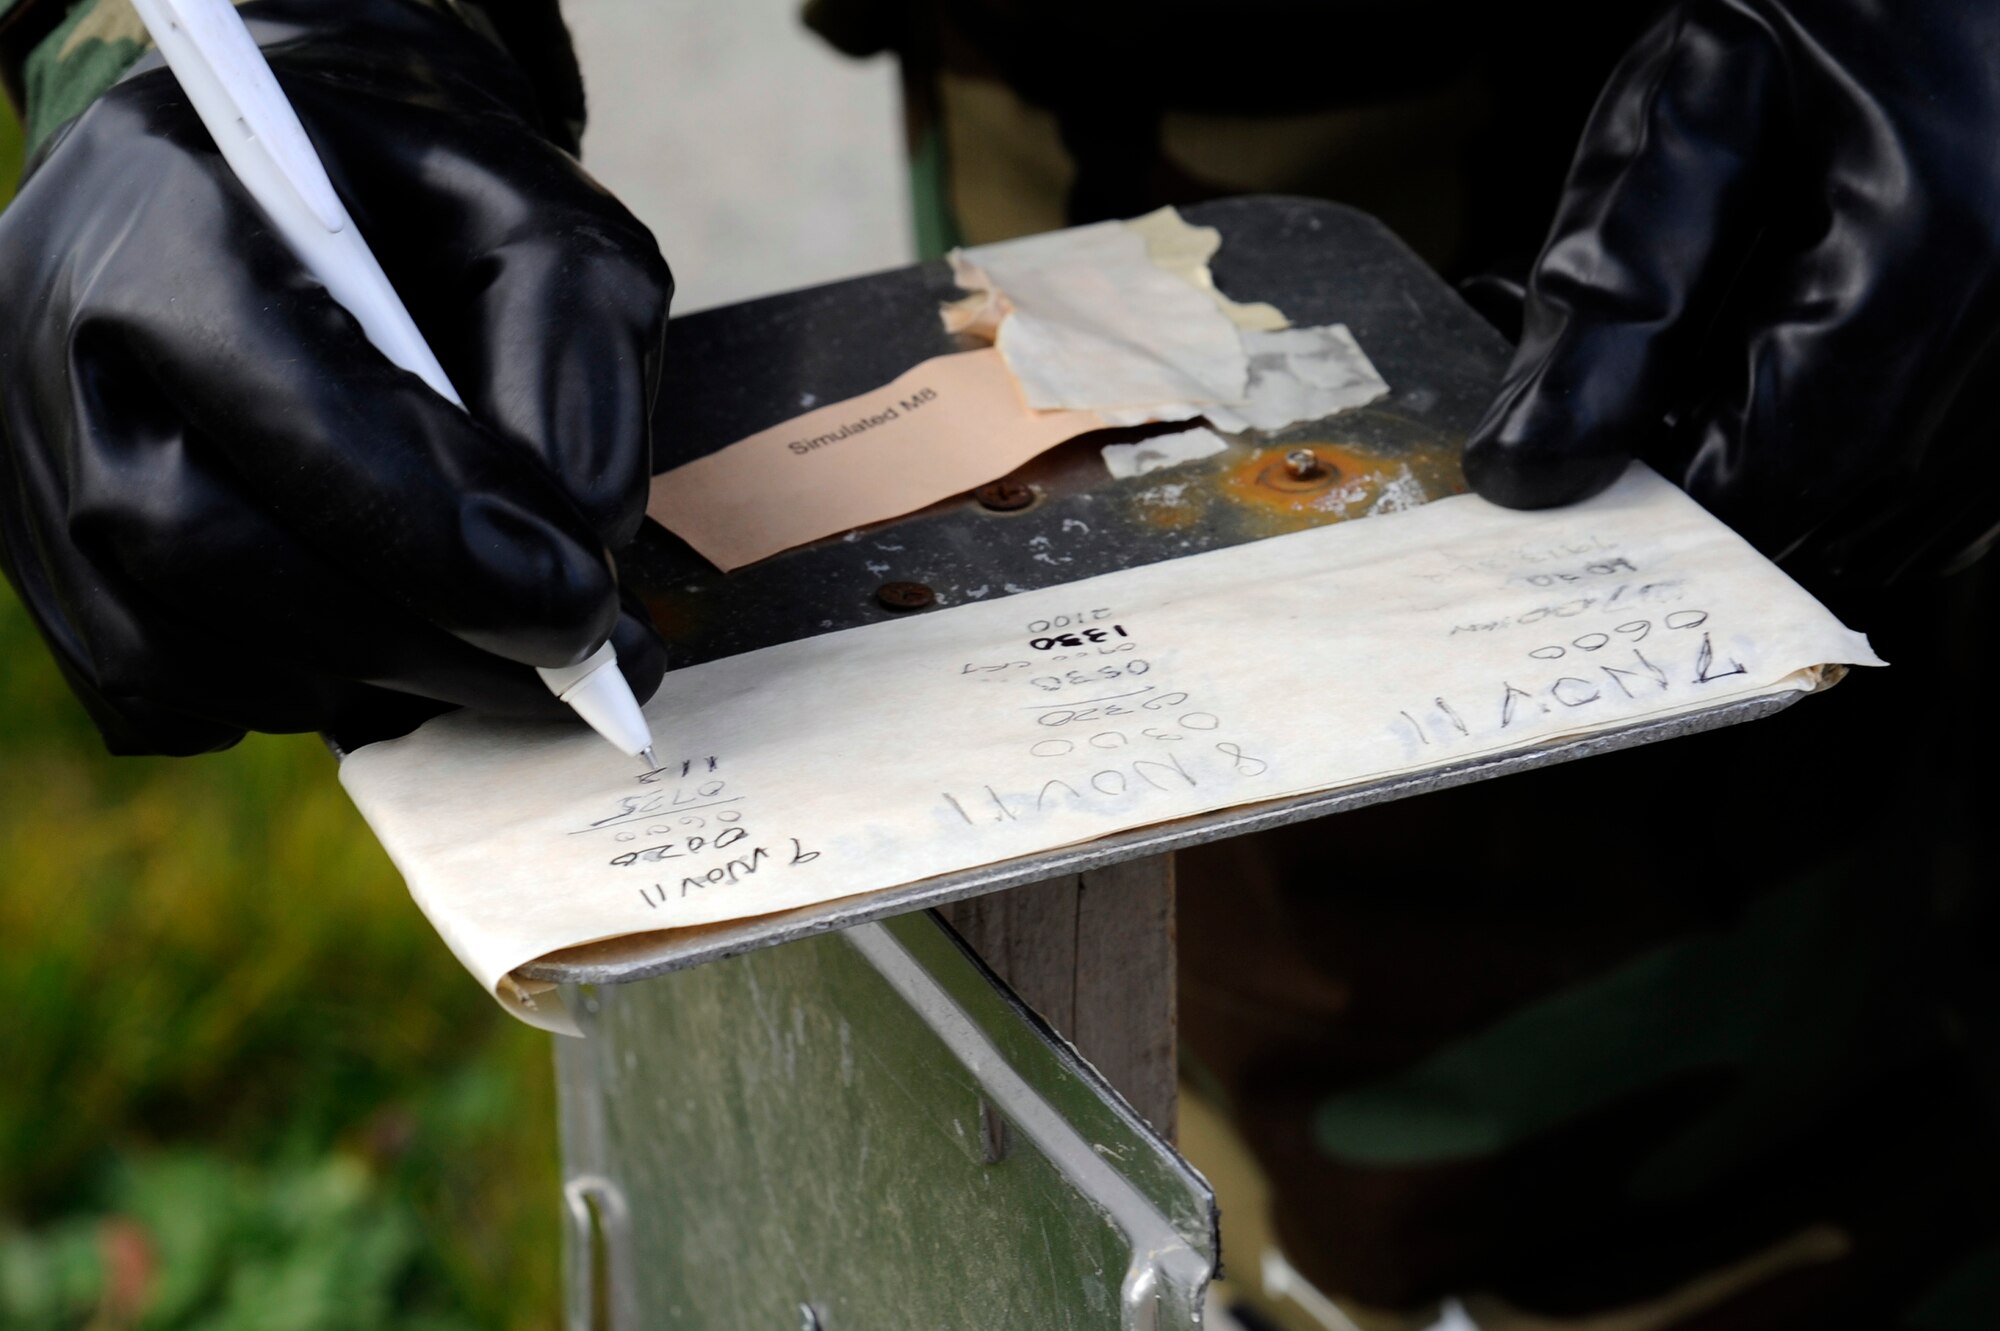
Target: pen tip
point(652, 763)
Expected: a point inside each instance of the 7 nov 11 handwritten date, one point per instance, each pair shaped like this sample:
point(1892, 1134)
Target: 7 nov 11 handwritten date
point(693, 819)
point(1679, 655)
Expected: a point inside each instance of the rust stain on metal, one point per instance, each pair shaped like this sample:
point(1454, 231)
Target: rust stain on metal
point(1294, 486)
point(1276, 480)
point(1288, 487)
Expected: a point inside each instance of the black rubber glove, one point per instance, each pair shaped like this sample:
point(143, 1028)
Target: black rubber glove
point(224, 508)
point(1775, 275)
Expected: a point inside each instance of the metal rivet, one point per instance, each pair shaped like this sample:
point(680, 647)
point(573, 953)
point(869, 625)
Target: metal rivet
point(1303, 464)
point(905, 595)
point(1299, 471)
point(1005, 496)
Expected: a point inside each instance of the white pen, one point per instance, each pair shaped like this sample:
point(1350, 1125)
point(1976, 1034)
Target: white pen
point(238, 99)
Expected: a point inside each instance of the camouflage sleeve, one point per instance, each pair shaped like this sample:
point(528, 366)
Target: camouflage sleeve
point(57, 56)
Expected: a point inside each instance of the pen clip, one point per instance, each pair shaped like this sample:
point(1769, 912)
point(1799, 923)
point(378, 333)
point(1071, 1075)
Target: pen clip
point(217, 39)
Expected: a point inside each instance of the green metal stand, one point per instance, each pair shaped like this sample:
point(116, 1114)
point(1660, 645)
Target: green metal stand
point(861, 1130)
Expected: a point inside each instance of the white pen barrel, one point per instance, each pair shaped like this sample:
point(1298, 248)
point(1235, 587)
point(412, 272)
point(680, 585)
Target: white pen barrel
point(225, 76)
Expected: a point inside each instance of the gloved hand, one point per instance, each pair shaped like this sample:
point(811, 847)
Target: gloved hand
point(224, 508)
point(1775, 275)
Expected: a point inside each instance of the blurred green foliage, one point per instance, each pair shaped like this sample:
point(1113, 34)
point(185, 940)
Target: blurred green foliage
point(244, 1083)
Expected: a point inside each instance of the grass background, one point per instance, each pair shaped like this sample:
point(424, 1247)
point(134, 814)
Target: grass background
point(244, 1083)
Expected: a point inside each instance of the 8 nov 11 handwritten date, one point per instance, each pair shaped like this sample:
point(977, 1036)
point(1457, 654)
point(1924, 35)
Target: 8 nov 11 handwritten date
point(1099, 736)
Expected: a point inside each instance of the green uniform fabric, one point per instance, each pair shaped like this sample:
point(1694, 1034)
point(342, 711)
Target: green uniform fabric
point(55, 60)
point(86, 54)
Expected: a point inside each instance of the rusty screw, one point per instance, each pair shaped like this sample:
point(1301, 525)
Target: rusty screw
point(1005, 496)
point(1302, 464)
point(905, 595)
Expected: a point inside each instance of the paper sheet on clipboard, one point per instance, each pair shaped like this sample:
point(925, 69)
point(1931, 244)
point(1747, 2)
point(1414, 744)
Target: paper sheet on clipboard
point(874, 757)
